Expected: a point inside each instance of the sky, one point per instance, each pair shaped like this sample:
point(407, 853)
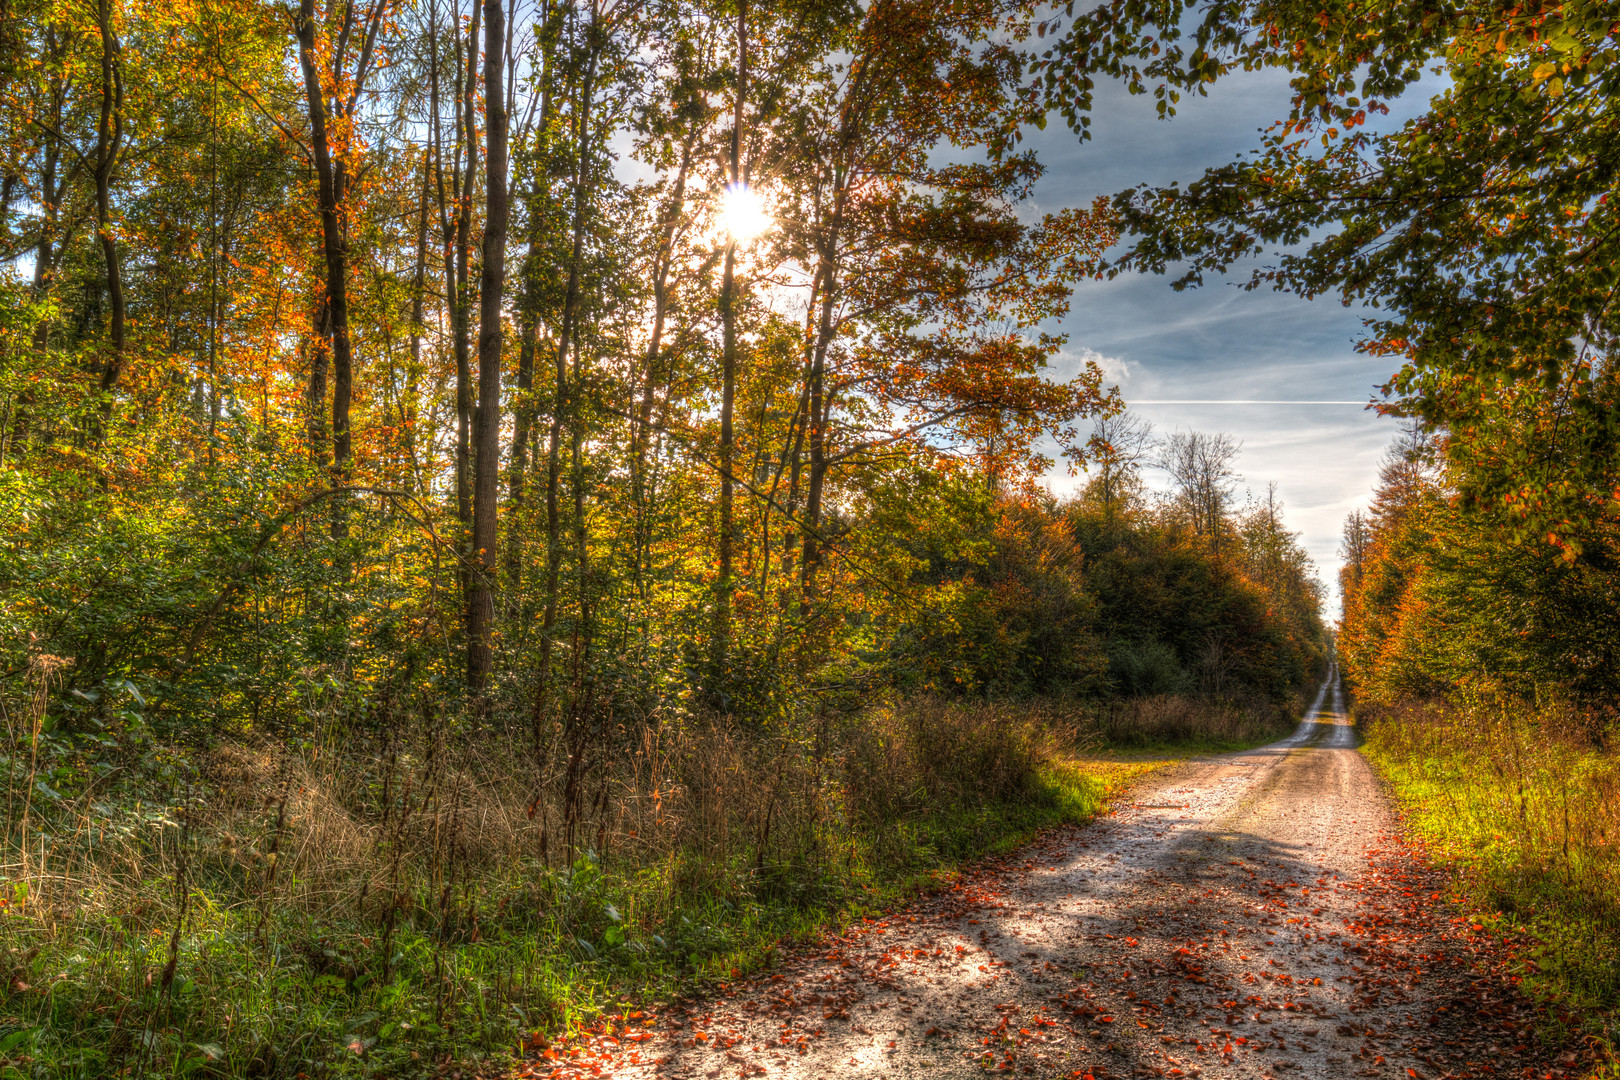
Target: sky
point(1219, 343)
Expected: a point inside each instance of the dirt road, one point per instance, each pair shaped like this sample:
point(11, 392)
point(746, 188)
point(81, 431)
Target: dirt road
point(1248, 915)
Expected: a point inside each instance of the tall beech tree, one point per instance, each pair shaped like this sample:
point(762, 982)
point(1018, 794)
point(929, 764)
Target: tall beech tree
point(491, 294)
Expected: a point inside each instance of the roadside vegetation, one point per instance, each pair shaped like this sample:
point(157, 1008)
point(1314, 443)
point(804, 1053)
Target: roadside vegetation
point(1523, 804)
point(394, 906)
point(1482, 661)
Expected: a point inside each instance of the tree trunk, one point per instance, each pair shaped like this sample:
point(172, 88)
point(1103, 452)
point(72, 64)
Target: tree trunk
point(407, 409)
point(725, 585)
point(109, 140)
point(480, 604)
point(562, 400)
point(331, 180)
point(523, 420)
point(641, 427)
point(466, 134)
point(315, 349)
point(820, 406)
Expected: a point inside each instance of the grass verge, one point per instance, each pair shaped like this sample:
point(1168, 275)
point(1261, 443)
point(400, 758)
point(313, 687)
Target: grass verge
point(1522, 805)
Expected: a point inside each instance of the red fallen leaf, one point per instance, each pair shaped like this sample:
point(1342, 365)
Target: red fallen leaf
point(931, 1032)
point(1413, 1073)
point(1105, 1019)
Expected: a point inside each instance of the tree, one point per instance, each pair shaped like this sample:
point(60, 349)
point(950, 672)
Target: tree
point(919, 276)
point(1200, 465)
point(1121, 443)
point(491, 293)
point(109, 145)
point(1353, 549)
point(1484, 229)
point(336, 65)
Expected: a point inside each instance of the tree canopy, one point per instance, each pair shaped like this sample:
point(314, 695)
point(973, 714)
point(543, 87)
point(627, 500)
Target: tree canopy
point(1482, 231)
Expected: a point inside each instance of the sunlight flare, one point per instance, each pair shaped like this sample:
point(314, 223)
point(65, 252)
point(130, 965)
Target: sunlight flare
point(742, 213)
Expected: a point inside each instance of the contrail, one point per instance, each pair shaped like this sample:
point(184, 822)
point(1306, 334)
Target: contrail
point(1228, 401)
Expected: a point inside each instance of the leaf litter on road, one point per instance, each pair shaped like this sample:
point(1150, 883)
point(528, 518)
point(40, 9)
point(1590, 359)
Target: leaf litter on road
point(1274, 926)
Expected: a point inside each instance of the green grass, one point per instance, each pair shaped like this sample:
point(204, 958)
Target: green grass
point(1519, 806)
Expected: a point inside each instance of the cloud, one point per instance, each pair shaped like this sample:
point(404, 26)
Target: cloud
point(1116, 370)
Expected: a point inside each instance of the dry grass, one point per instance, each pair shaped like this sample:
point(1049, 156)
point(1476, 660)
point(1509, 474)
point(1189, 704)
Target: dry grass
point(1190, 722)
point(443, 889)
point(442, 886)
point(337, 835)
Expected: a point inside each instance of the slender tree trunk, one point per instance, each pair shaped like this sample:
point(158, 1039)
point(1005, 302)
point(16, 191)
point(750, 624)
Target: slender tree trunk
point(53, 188)
point(330, 180)
point(315, 350)
point(794, 450)
point(562, 400)
point(522, 433)
point(641, 427)
point(408, 403)
point(523, 421)
point(725, 584)
point(109, 140)
point(820, 406)
point(584, 637)
point(480, 602)
point(466, 135)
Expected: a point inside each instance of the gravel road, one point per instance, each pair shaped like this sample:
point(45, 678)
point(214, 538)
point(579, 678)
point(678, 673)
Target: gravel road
point(1249, 915)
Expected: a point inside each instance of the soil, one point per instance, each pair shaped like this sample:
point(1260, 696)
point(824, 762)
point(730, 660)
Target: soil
point(1255, 914)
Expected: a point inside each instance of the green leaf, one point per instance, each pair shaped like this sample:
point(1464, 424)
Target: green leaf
point(10, 1042)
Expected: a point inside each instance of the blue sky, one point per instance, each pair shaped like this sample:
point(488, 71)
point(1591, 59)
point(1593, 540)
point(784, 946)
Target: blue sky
point(1219, 342)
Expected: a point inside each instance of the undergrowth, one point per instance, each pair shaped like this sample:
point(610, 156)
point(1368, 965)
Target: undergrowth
point(392, 897)
point(1522, 803)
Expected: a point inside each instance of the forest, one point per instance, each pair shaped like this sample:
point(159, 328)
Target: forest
point(512, 511)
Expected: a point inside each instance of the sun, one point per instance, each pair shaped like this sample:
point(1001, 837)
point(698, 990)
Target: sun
point(742, 213)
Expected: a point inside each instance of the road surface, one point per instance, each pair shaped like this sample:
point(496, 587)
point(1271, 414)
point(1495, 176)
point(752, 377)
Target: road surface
point(1249, 915)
